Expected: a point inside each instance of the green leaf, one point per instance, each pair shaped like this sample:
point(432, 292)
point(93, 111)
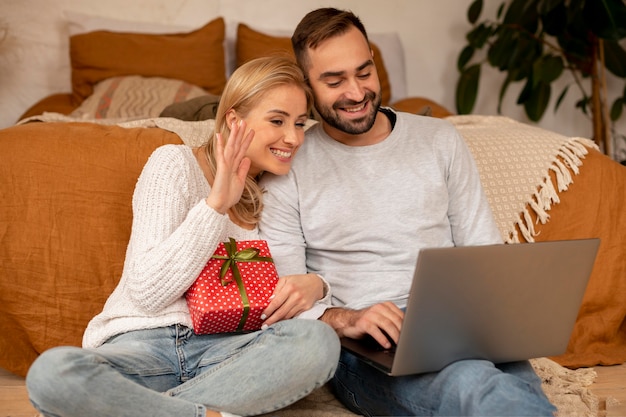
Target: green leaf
point(524, 53)
point(553, 17)
point(464, 57)
point(518, 74)
point(524, 95)
point(523, 13)
point(467, 89)
point(578, 52)
point(548, 68)
point(560, 99)
point(478, 36)
point(505, 86)
point(583, 104)
point(500, 10)
point(616, 109)
point(474, 11)
point(538, 101)
point(546, 6)
point(499, 53)
point(615, 58)
point(606, 18)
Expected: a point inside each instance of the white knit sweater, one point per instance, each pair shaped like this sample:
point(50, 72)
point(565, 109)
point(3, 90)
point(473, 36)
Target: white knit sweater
point(173, 235)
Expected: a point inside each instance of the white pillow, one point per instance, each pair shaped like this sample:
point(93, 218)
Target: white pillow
point(78, 23)
point(390, 46)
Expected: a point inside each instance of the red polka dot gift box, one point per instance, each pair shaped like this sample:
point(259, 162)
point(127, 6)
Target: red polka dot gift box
point(233, 289)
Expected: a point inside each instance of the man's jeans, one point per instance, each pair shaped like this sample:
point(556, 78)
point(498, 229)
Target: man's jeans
point(171, 371)
point(464, 388)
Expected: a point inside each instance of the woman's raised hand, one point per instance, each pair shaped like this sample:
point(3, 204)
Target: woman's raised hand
point(232, 167)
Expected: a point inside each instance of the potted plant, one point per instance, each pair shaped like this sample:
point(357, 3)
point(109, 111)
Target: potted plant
point(537, 42)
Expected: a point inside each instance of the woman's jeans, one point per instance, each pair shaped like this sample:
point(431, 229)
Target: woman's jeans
point(173, 372)
point(464, 388)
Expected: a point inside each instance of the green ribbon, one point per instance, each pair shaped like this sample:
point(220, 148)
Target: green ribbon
point(234, 256)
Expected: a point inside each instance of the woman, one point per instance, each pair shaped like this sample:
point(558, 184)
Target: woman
point(140, 356)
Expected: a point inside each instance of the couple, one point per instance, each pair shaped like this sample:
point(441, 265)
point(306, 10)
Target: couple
point(367, 182)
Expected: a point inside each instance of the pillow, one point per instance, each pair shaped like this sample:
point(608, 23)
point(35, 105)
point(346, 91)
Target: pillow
point(134, 96)
point(196, 57)
point(253, 44)
point(392, 53)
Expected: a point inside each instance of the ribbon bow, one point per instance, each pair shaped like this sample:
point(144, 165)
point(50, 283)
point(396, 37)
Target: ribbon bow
point(234, 256)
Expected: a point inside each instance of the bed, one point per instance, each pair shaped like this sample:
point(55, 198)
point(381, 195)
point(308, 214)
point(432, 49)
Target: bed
point(68, 170)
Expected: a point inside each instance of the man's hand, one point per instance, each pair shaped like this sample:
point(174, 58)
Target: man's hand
point(375, 320)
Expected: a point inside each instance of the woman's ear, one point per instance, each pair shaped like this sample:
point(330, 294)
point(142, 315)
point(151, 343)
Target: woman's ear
point(231, 117)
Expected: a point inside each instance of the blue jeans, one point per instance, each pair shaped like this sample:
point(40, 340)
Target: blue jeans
point(464, 388)
point(171, 371)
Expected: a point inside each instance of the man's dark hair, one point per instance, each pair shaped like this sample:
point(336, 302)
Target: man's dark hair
point(318, 26)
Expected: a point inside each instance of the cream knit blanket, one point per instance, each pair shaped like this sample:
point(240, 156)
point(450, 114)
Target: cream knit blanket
point(514, 161)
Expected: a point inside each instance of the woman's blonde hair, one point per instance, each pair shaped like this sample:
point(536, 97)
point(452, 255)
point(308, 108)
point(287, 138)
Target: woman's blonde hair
point(246, 87)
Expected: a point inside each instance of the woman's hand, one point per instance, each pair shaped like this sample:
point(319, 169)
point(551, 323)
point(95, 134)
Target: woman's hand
point(293, 295)
point(232, 168)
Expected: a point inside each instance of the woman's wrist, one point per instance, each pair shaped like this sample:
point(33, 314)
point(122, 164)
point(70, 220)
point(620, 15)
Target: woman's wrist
point(215, 205)
point(325, 287)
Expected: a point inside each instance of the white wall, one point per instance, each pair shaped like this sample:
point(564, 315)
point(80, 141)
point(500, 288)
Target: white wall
point(34, 57)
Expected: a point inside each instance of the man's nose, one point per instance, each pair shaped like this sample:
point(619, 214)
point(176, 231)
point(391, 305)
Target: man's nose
point(355, 90)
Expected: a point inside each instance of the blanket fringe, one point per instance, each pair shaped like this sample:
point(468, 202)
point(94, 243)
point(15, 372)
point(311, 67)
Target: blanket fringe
point(567, 161)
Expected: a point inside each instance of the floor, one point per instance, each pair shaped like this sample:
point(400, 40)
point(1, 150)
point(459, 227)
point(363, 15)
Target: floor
point(13, 396)
point(610, 383)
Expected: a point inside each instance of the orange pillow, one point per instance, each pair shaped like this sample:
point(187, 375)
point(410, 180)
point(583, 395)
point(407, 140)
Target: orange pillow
point(196, 57)
point(254, 44)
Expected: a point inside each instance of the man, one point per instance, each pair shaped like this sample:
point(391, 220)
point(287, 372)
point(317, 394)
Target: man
point(367, 189)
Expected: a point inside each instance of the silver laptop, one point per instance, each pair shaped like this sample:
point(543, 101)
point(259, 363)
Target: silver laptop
point(502, 303)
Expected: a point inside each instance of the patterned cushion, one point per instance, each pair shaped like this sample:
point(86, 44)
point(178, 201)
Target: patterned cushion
point(134, 96)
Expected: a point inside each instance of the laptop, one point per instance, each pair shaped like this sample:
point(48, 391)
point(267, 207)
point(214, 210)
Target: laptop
point(502, 303)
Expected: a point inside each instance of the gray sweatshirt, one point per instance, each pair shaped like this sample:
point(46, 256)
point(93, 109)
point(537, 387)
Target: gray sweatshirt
point(358, 215)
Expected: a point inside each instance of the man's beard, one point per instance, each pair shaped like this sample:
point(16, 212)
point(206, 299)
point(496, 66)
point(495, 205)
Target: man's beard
point(356, 126)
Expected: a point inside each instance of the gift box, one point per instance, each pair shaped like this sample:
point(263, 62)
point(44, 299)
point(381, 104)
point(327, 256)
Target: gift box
point(233, 289)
